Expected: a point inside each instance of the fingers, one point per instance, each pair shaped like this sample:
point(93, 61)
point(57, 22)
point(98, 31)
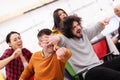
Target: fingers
point(61, 53)
point(106, 21)
point(53, 40)
point(17, 53)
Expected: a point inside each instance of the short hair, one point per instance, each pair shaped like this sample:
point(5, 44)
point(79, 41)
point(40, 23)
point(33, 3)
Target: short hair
point(9, 35)
point(66, 25)
point(44, 31)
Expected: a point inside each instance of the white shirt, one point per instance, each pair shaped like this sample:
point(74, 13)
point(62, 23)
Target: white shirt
point(112, 26)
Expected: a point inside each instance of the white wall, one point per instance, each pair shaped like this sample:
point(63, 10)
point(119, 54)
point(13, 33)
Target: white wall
point(29, 23)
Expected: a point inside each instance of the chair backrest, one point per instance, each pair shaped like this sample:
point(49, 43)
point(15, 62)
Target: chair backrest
point(71, 71)
point(101, 48)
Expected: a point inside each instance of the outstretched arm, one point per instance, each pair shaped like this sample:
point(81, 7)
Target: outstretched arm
point(54, 40)
point(104, 22)
point(63, 54)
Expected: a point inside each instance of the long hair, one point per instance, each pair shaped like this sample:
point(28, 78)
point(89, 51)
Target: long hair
point(57, 18)
point(67, 27)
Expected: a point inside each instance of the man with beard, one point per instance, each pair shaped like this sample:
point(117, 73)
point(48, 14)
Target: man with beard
point(83, 59)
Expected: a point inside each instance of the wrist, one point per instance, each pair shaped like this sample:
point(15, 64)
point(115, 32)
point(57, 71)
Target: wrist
point(11, 57)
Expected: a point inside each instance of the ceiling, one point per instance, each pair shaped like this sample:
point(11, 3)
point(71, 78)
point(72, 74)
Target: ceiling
point(12, 8)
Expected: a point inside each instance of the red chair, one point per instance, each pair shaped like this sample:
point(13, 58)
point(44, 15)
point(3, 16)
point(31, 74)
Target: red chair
point(101, 48)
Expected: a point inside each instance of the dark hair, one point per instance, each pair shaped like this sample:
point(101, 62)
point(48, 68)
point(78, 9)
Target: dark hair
point(67, 27)
point(44, 31)
point(57, 18)
point(9, 35)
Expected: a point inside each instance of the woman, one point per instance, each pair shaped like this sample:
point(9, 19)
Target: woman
point(58, 15)
point(15, 58)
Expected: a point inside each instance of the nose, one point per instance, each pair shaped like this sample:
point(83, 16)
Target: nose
point(78, 26)
point(63, 14)
point(19, 40)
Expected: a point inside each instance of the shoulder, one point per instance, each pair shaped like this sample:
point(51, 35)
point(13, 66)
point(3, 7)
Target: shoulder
point(7, 53)
point(37, 53)
point(25, 50)
point(114, 19)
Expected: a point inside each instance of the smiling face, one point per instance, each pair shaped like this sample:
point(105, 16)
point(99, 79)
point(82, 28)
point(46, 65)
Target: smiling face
point(76, 29)
point(15, 41)
point(43, 42)
point(62, 14)
point(117, 11)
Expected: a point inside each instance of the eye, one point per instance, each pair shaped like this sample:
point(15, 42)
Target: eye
point(74, 27)
point(60, 14)
point(19, 37)
point(15, 39)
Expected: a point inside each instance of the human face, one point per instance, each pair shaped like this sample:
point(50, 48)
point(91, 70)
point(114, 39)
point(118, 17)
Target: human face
point(117, 12)
point(43, 42)
point(62, 14)
point(77, 29)
point(15, 41)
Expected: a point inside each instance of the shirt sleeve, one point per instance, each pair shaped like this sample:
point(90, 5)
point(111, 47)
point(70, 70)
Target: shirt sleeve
point(7, 53)
point(92, 31)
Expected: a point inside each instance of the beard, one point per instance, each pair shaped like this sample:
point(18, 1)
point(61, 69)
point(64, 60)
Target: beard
point(78, 34)
point(78, 37)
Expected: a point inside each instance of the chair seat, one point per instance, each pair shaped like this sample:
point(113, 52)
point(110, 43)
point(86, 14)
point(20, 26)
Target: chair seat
point(1, 77)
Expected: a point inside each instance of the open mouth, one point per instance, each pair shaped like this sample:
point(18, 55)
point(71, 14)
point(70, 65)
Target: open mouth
point(19, 44)
point(79, 31)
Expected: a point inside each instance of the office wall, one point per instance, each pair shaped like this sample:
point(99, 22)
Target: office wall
point(29, 23)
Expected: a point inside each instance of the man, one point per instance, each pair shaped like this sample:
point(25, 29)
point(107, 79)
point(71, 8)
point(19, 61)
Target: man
point(83, 59)
point(114, 26)
point(46, 64)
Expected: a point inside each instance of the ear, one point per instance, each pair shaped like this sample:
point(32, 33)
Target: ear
point(9, 44)
point(39, 43)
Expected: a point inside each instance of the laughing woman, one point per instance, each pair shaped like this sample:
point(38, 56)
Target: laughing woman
point(15, 58)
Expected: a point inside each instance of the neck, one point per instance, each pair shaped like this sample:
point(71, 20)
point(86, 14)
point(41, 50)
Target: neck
point(46, 54)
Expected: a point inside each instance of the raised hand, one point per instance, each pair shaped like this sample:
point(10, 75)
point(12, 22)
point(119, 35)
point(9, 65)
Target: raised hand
point(17, 53)
point(61, 53)
point(104, 22)
point(53, 40)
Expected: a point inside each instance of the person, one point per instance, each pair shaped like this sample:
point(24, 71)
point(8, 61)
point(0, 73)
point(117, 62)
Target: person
point(83, 59)
point(113, 29)
point(15, 58)
point(116, 38)
point(58, 15)
point(46, 64)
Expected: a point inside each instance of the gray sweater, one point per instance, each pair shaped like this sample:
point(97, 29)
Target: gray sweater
point(83, 56)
